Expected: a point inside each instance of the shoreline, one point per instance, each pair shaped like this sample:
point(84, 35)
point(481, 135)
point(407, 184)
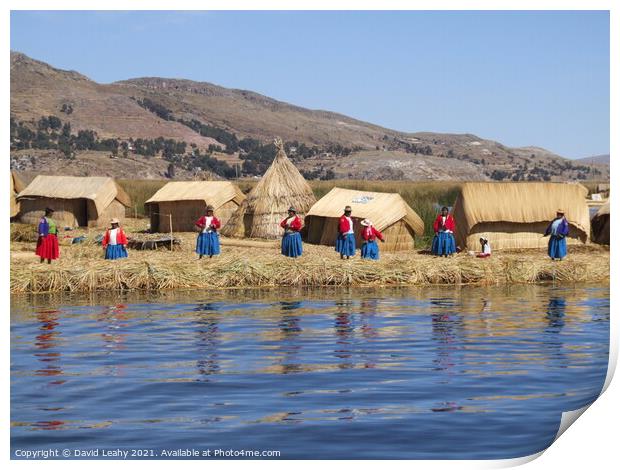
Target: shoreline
point(252, 268)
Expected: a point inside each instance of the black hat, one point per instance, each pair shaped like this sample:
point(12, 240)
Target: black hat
point(48, 210)
point(292, 209)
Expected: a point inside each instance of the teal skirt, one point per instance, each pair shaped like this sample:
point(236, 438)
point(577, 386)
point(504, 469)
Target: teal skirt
point(208, 244)
point(345, 244)
point(115, 252)
point(370, 250)
point(557, 247)
point(291, 245)
point(443, 244)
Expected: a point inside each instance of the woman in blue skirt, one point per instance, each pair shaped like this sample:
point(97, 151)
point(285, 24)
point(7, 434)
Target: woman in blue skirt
point(345, 243)
point(443, 241)
point(114, 241)
point(370, 249)
point(557, 231)
point(291, 240)
point(208, 241)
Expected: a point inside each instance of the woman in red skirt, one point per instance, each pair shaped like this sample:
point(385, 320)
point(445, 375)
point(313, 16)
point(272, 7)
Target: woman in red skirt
point(47, 243)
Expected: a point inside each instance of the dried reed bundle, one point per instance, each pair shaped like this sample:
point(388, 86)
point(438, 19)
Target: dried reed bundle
point(281, 187)
point(82, 269)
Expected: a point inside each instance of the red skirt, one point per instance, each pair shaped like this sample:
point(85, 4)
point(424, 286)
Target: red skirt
point(47, 247)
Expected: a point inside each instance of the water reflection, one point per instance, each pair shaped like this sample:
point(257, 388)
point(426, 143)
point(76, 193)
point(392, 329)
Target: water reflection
point(447, 326)
point(46, 341)
point(364, 373)
point(556, 312)
point(290, 330)
point(343, 327)
point(368, 311)
point(209, 335)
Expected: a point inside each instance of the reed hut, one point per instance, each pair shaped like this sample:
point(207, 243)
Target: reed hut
point(77, 201)
point(17, 185)
point(183, 202)
point(281, 187)
point(388, 212)
point(515, 215)
point(600, 225)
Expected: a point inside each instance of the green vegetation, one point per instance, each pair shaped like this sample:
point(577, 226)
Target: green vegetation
point(156, 108)
point(140, 191)
point(50, 133)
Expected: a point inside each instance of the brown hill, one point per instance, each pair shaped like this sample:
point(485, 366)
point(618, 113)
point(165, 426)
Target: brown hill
point(113, 111)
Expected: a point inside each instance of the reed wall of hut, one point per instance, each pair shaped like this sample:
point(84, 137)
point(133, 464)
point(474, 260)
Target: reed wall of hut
point(185, 214)
point(324, 231)
point(77, 201)
point(515, 215)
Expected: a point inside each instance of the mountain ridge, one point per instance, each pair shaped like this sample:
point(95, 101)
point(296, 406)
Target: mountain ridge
point(177, 108)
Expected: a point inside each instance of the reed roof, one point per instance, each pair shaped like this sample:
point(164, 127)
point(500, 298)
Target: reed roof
point(216, 193)
point(99, 189)
point(520, 203)
point(383, 209)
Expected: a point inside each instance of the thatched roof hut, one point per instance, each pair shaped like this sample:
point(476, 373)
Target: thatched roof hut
point(388, 212)
point(515, 215)
point(267, 204)
point(600, 225)
point(17, 185)
point(186, 202)
point(77, 201)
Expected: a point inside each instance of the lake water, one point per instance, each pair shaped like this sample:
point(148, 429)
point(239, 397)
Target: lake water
point(450, 373)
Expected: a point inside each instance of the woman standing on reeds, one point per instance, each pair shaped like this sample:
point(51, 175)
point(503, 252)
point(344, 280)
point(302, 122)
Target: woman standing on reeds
point(345, 243)
point(557, 231)
point(443, 241)
point(370, 248)
point(291, 240)
point(47, 243)
point(114, 241)
point(208, 242)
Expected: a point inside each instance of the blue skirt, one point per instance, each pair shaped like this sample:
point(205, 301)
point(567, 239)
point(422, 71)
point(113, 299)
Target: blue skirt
point(443, 244)
point(208, 244)
point(370, 250)
point(291, 245)
point(557, 247)
point(345, 244)
point(115, 252)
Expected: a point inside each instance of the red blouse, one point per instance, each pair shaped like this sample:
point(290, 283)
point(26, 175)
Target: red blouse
point(295, 224)
point(121, 238)
point(343, 225)
point(202, 222)
point(449, 225)
point(370, 233)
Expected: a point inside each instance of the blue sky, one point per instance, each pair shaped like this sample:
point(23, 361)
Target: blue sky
point(522, 78)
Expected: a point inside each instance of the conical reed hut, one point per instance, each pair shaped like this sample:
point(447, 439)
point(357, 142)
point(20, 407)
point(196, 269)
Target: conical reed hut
point(281, 187)
point(17, 185)
point(600, 225)
point(515, 215)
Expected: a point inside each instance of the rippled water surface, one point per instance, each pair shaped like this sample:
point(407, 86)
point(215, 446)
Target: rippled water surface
point(393, 373)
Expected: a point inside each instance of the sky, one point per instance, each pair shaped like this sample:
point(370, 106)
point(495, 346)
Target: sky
point(523, 78)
